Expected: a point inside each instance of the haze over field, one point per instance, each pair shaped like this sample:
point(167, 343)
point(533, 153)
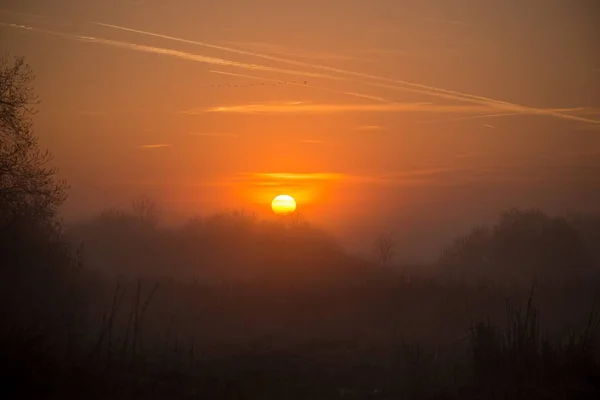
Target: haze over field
point(424, 117)
point(266, 199)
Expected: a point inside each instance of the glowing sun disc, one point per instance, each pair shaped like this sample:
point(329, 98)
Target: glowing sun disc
point(283, 204)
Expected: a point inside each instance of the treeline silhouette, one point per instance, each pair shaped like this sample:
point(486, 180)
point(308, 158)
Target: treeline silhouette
point(227, 245)
point(229, 306)
point(528, 245)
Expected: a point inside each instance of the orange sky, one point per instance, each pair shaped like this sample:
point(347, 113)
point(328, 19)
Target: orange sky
point(429, 115)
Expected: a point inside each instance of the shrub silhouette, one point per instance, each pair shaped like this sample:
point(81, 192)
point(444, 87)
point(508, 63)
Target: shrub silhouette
point(522, 245)
point(224, 245)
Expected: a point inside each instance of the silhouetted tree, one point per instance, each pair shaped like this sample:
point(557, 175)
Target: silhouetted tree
point(384, 247)
point(40, 301)
point(26, 183)
point(145, 210)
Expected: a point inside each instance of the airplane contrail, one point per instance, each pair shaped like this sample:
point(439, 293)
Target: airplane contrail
point(277, 108)
point(412, 87)
point(171, 52)
point(513, 108)
point(511, 114)
point(153, 146)
point(297, 63)
point(517, 109)
point(381, 99)
point(199, 58)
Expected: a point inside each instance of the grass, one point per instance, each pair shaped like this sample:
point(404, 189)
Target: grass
point(184, 340)
point(518, 360)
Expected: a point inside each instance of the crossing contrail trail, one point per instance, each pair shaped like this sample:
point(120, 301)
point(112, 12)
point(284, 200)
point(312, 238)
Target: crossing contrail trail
point(408, 86)
point(560, 110)
point(202, 59)
point(298, 63)
point(171, 52)
point(413, 88)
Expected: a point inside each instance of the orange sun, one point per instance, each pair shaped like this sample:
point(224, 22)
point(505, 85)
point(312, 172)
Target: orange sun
point(283, 204)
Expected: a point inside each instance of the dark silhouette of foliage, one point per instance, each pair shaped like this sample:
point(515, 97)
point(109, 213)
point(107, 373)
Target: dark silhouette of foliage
point(145, 210)
point(41, 301)
point(27, 185)
point(225, 244)
point(384, 248)
point(588, 227)
point(522, 244)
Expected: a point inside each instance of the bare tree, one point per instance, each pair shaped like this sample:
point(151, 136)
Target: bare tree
point(384, 247)
point(26, 183)
point(145, 209)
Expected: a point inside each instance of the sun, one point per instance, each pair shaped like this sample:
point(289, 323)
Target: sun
point(283, 204)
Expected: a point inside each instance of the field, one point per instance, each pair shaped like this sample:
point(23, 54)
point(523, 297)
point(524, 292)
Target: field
point(308, 324)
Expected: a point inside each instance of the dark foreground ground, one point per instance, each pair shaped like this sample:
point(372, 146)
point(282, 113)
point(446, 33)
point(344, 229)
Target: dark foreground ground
point(387, 339)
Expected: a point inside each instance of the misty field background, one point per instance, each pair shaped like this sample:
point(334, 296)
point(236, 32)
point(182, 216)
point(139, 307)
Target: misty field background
point(232, 307)
point(123, 305)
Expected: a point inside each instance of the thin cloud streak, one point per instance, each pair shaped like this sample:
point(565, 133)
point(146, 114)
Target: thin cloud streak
point(204, 59)
point(171, 52)
point(410, 86)
point(369, 128)
point(587, 111)
point(311, 141)
point(213, 134)
point(152, 146)
point(496, 104)
point(288, 179)
point(301, 53)
point(294, 62)
point(418, 176)
point(283, 108)
point(511, 114)
point(414, 88)
point(297, 176)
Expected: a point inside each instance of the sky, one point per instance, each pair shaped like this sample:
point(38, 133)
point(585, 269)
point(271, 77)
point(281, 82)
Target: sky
point(421, 118)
